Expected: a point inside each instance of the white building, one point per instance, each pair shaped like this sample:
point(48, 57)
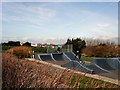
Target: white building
point(34, 45)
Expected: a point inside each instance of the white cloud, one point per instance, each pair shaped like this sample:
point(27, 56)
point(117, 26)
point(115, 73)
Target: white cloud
point(104, 30)
point(34, 40)
point(104, 25)
point(31, 14)
point(56, 40)
point(76, 23)
point(39, 12)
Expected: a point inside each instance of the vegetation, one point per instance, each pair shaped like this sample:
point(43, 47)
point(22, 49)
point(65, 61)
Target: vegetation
point(102, 51)
point(26, 44)
point(97, 41)
point(89, 59)
point(4, 48)
point(21, 51)
point(39, 49)
point(100, 48)
point(78, 44)
point(20, 73)
point(11, 43)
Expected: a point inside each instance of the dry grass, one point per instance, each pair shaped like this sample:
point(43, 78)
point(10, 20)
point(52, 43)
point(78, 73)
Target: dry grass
point(19, 73)
point(20, 51)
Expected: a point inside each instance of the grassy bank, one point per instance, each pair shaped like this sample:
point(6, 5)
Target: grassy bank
point(20, 73)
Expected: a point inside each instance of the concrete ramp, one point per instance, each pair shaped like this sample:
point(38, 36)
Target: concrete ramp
point(109, 67)
point(103, 63)
point(59, 57)
point(71, 55)
point(95, 68)
point(37, 56)
point(45, 57)
point(76, 65)
point(114, 63)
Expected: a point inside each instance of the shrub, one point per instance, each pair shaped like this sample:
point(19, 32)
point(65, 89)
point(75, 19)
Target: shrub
point(102, 51)
point(4, 48)
point(88, 51)
point(39, 49)
point(21, 51)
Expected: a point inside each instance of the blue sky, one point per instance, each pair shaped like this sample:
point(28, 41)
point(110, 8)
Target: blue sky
point(54, 22)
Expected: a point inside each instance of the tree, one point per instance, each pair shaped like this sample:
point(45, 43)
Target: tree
point(78, 44)
point(69, 41)
point(5, 44)
point(26, 44)
point(12, 43)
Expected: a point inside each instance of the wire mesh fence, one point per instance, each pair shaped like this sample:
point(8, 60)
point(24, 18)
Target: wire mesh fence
point(63, 48)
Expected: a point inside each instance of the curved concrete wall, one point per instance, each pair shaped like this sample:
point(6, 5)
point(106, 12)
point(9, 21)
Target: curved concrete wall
point(114, 63)
point(107, 63)
point(46, 57)
point(95, 68)
point(71, 55)
point(78, 66)
point(59, 56)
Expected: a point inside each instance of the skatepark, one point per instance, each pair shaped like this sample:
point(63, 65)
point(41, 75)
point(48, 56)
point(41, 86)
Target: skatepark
point(108, 67)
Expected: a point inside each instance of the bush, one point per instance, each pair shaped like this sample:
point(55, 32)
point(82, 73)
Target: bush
point(4, 48)
point(21, 51)
point(102, 51)
point(39, 49)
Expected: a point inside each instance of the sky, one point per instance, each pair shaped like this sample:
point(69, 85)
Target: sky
point(54, 22)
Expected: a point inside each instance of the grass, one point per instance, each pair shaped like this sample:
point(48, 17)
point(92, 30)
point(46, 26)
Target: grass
point(87, 82)
point(40, 53)
point(89, 59)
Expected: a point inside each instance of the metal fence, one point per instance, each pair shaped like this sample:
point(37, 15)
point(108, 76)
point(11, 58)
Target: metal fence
point(64, 48)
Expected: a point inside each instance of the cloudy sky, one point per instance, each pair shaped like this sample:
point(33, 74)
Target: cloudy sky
point(54, 22)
